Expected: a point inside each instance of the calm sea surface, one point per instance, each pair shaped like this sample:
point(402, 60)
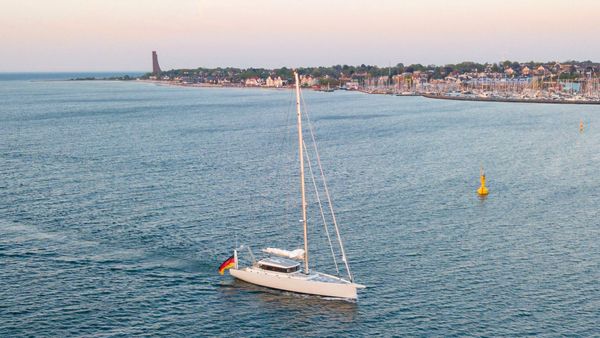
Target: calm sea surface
point(118, 201)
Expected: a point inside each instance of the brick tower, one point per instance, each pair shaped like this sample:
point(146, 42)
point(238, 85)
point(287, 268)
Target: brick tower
point(155, 67)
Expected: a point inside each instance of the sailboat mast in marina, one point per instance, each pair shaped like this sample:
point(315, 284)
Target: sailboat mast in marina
point(281, 268)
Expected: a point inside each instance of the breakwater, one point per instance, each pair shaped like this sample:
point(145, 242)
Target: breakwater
point(502, 99)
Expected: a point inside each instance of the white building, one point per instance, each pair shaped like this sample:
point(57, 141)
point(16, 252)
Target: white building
point(274, 82)
point(270, 82)
point(307, 80)
point(253, 82)
point(352, 85)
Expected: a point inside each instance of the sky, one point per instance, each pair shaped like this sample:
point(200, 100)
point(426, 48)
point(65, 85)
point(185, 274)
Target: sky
point(119, 35)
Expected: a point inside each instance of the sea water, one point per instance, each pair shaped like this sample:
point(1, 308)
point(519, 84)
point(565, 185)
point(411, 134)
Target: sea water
point(119, 200)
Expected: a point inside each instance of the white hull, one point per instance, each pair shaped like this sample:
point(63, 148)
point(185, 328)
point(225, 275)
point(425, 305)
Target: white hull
point(313, 284)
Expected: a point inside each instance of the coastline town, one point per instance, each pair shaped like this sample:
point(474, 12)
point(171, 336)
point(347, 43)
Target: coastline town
point(548, 82)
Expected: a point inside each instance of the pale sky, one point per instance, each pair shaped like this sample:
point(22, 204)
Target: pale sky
point(119, 35)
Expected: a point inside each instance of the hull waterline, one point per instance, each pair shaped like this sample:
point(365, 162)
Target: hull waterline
point(313, 284)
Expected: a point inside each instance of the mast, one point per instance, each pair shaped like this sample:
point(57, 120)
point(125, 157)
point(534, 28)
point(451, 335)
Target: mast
point(301, 155)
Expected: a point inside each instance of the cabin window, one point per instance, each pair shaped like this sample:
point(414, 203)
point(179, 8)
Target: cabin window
point(278, 269)
point(292, 269)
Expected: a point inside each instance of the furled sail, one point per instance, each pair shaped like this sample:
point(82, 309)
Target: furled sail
point(294, 254)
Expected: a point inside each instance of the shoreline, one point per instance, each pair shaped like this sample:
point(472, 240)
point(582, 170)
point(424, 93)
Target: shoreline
point(208, 85)
point(425, 95)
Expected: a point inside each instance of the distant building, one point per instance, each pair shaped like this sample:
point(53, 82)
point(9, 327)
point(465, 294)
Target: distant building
point(344, 79)
point(557, 67)
point(565, 67)
point(253, 82)
point(269, 82)
point(274, 82)
point(540, 70)
point(352, 85)
point(307, 80)
point(155, 67)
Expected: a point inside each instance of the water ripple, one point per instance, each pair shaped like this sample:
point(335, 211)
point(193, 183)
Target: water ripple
point(118, 201)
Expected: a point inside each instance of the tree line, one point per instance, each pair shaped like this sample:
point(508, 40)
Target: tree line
point(337, 71)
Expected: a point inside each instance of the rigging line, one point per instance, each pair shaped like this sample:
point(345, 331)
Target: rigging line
point(287, 158)
point(337, 231)
point(337, 269)
point(291, 162)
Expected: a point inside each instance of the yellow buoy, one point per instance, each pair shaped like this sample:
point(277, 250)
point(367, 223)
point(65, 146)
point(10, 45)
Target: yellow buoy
point(483, 191)
point(581, 126)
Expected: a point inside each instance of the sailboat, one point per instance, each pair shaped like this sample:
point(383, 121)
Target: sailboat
point(282, 270)
point(328, 89)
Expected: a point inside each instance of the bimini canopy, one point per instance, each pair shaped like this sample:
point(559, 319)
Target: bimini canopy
point(294, 254)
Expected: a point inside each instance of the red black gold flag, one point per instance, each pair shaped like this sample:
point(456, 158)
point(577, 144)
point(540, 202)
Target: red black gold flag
point(228, 264)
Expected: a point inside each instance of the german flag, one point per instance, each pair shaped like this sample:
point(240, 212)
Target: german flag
point(228, 264)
